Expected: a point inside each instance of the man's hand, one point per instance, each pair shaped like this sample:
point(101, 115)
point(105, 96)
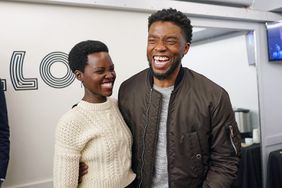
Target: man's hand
point(83, 169)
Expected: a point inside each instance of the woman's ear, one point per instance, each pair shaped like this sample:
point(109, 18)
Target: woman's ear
point(78, 75)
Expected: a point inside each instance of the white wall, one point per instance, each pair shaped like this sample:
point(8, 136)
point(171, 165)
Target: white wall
point(39, 30)
point(270, 92)
point(270, 5)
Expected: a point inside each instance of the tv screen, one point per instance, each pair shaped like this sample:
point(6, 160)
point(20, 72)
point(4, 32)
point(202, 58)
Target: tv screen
point(274, 40)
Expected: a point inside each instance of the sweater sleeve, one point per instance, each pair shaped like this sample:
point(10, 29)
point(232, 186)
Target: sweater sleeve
point(67, 155)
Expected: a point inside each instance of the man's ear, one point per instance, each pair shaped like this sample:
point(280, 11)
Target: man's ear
point(186, 48)
point(78, 74)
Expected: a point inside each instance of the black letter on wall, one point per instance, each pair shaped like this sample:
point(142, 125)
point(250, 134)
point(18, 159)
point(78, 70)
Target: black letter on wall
point(4, 83)
point(45, 70)
point(16, 73)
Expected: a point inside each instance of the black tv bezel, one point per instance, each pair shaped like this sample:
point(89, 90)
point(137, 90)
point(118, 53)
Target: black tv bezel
point(270, 59)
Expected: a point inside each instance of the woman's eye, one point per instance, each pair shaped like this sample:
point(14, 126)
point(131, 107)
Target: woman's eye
point(99, 71)
point(112, 69)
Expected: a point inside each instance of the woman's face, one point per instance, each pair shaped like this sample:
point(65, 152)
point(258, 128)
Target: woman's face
point(98, 77)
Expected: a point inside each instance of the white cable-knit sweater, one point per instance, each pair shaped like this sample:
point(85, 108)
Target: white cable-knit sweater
point(96, 134)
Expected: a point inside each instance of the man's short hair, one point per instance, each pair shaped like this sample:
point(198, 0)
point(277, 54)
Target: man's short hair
point(177, 17)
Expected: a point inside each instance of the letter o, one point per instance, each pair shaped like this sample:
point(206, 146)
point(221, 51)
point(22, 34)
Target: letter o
point(48, 77)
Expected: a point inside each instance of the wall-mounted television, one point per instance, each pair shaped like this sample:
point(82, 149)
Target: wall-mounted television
point(274, 40)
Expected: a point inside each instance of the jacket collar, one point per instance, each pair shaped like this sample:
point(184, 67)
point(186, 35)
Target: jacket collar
point(177, 81)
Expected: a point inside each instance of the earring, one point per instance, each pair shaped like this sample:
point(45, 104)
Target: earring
point(81, 84)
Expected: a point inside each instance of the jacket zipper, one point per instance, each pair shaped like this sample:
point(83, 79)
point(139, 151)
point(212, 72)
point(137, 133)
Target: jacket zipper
point(231, 135)
point(143, 139)
point(167, 139)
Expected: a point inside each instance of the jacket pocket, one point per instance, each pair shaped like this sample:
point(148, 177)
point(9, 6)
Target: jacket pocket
point(235, 139)
point(192, 151)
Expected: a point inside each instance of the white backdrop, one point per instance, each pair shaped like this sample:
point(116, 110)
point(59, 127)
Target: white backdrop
point(39, 30)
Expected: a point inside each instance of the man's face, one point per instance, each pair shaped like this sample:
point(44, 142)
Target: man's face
point(166, 46)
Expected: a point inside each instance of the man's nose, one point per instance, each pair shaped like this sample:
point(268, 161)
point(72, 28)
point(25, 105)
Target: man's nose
point(160, 46)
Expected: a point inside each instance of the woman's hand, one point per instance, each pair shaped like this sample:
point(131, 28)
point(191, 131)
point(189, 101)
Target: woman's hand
point(83, 169)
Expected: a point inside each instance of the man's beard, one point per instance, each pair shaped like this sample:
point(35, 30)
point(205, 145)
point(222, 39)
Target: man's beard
point(163, 76)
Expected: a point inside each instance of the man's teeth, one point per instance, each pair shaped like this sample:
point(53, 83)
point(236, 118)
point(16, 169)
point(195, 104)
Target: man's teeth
point(160, 58)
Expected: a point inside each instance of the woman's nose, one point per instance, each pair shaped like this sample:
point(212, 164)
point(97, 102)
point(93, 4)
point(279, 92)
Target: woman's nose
point(110, 74)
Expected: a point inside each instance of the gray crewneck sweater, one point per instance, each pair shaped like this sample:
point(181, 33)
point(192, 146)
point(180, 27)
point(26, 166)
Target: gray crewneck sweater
point(160, 179)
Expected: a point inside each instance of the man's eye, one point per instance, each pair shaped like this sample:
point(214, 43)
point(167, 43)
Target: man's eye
point(151, 41)
point(171, 42)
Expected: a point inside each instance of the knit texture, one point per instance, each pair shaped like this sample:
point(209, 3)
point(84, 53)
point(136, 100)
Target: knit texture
point(96, 134)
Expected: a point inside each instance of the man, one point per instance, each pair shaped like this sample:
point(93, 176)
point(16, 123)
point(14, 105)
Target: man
point(4, 136)
point(183, 125)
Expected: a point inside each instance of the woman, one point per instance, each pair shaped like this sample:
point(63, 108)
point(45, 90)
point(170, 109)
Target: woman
point(94, 131)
